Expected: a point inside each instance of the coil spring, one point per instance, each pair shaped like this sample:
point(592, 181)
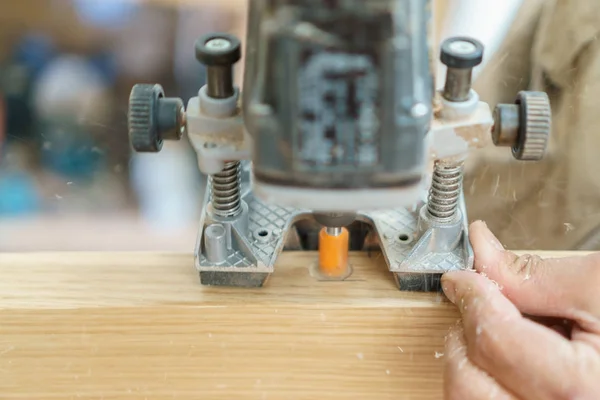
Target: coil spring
point(225, 190)
point(445, 190)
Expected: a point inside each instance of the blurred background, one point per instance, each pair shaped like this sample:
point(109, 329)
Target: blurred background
point(69, 181)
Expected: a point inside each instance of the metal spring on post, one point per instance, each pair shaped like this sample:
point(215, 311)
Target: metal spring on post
point(225, 190)
point(446, 187)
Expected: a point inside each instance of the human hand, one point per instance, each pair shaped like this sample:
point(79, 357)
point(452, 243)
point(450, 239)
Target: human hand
point(497, 353)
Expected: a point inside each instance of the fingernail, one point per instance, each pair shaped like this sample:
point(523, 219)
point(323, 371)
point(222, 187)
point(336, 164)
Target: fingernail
point(492, 239)
point(449, 288)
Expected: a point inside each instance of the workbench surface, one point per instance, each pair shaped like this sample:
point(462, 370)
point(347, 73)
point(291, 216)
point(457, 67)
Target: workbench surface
point(140, 326)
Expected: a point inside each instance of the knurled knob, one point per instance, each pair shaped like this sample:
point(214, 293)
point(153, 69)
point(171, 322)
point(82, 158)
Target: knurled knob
point(153, 118)
point(524, 126)
point(535, 127)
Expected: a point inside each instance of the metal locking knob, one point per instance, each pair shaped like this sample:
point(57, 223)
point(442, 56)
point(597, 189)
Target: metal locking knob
point(219, 52)
point(153, 118)
point(460, 55)
point(524, 126)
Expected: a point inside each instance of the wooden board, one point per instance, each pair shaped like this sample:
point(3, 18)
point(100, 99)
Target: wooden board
point(139, 326)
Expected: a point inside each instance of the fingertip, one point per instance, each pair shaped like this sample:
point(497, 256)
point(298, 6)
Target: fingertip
point(461, 287)
point(449, 284)
point(455, 283)
point(488, 250)
point(480, 231)
point(479, 224)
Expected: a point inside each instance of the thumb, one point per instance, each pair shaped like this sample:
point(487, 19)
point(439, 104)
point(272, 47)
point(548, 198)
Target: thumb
point(563, 288)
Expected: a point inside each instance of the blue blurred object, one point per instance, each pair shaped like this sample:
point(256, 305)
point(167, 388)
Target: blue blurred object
point(69, 97)
point(18, 194)
point(16, 86)
point(69, 151)
point(29, 58)
point(34, 52)
point(109, 14)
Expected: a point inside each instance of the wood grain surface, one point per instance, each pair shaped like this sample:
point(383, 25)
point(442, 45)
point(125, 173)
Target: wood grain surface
point(140, 326)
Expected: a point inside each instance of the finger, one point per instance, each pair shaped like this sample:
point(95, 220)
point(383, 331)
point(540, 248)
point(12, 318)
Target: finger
point(559, 325)
point(589, 365)
point(566, 288)
point(463, 380)
point(523, 356)
point(593, 340)
point(561, 330)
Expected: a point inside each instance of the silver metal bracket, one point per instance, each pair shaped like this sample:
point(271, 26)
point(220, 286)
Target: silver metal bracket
point(254, 239)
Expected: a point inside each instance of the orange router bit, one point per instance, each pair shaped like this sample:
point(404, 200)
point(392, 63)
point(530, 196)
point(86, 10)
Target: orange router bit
point(333, 252)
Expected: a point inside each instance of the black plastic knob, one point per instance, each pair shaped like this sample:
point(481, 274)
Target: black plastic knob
point(218, 49)
point(153, 118)
point(461, 53)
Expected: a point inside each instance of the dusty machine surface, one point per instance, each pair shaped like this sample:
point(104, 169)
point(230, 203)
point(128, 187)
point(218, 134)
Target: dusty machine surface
point(339, 140)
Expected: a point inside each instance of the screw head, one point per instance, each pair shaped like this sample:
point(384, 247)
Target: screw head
point(461, 53)
point(462, 47)
point(218, 44)
point(218, 49)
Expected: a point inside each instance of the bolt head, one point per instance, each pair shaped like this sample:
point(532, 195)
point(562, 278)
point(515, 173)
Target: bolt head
point(462, 47)
point(461, 53)
point(218, 44)
point(218, 49)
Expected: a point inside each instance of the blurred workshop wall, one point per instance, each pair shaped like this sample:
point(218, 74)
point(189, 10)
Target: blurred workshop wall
point(56, 17)
point(68, 178)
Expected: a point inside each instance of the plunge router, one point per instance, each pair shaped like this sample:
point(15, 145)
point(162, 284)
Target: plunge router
point(339, 135)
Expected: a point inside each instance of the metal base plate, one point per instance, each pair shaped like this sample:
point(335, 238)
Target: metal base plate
point(257, 241)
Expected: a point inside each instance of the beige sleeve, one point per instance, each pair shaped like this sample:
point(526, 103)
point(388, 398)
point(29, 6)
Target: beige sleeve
point(554, 204)
point(509, 70)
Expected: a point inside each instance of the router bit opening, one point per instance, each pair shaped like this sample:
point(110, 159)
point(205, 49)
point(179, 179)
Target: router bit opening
point(361, 236)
